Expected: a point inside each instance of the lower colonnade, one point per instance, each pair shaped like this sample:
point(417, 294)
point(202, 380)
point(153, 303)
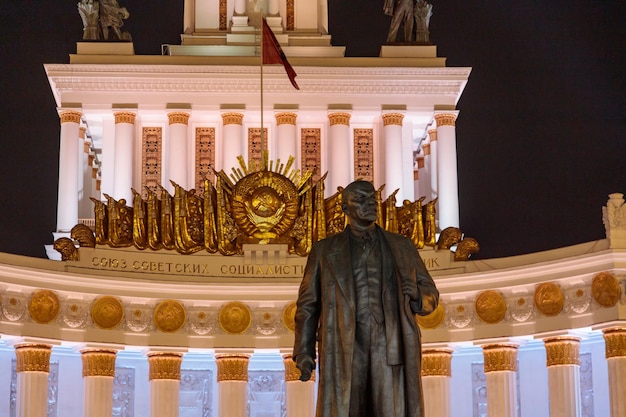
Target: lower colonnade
point(504, 381)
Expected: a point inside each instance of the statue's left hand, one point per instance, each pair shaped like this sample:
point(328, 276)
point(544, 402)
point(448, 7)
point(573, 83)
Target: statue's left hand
point(410, 288)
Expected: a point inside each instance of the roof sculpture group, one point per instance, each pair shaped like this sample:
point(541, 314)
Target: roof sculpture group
point(260, 203)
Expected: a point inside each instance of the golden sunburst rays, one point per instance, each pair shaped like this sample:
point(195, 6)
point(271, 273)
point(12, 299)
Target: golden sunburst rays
point(299, 179)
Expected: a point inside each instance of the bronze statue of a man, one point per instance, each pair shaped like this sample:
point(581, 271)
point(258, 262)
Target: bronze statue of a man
point(357, 301)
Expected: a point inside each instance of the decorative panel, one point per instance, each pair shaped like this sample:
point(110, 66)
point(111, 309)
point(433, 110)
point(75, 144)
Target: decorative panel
point(151, 150)
point(53, 390)
point(479, 390)
point(223, 11)
point(124, 392)
point(266, 394)
point(196, 393)
point(205, 155)
point(257, 143)
point(364, 154)
point(290, 15)
point(586, 384)
point(311, 151)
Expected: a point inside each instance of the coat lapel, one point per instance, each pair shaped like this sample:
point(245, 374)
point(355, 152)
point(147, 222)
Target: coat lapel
point(341, 266)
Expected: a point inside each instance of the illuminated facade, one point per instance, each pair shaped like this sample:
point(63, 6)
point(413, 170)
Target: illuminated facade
point(118, 329)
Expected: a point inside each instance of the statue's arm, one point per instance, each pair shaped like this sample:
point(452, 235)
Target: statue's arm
point(308, 309)
point(418, 284)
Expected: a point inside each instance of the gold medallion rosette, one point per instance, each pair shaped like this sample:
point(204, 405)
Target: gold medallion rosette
point(434, 319)
point(549, 298)
point(169, 316)
point(490, 306)
point(605, 289)
point(289, 316)
point(107, 312)
point(44, 306)
point(235, 317)
point(265, 205)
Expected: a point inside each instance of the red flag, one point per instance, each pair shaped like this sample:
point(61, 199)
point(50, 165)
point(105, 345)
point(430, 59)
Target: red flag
point(273, 53)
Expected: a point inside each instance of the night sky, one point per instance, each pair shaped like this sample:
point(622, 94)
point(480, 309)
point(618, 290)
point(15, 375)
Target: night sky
point(541, 136)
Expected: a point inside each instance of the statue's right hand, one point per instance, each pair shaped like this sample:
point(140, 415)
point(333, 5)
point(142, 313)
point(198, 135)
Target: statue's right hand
point(305, 364)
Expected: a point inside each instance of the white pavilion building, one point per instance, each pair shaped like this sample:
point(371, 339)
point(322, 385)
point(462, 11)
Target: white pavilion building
point(132, 332)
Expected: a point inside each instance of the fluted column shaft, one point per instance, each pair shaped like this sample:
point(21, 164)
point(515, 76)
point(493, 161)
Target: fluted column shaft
point(339, 151)
point(178, 169)
point(232, 140)
point(164, 383)
point(615, 349)
point(232, 382)
point(430, 163)
point(124, 156)
point(300, 395)
point(107, 164)
point(33, 367)
point(500, 372)
point(273, 7)
point(563, 362)
point(436, 375)
point(392, 126)
point(287, 136)
point(67, 201)
point(448, 188)
point(98, 375)
point(422, 179)
point(240, 7)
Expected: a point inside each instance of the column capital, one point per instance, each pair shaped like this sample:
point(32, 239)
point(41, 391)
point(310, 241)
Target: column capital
point(392, 119)
point(232, 367)
point(615, 342)
point(232, 118)
point(70, 116)
point(339, 118)
point(98, 362)
point(125, 117)
point(33, 357)
point(446, 119)
point(164, 365)
point(562, 350)
point(179, 117)
point(437, 362)
point(432, 134)
point(426, 148)
point(291, 372)
point(285, 118)
point(500, 357)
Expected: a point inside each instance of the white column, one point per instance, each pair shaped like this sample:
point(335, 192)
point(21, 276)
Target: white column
point(300, 395)
point(107, 163)
point(232, 382)
point(563, 362)
point(339, 150)
point(273, 7)
point(287, 137)
point(232, 140)
point(82, 166)
point(424, 180)
point(615, 348)
point(33, 367)
point(448, 188)
point(98, 375)
point(189, 17)
point(436, 375)
point(500, 372)
point(392, 127)
point(430, 161)
point(178, 169)
point(164, 383)
point(124, 156)
point(240, 7)
point(67, 202)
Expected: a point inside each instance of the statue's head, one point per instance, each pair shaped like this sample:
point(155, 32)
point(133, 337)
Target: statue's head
point(359, 203)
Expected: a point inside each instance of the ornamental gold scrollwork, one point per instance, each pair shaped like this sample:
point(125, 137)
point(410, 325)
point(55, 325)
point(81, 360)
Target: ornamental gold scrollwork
point(44, 306)
point(289, 315)
point(615, 342)
point(164, 365)
point(562, 350)
point(98, 362)
point(259, 202)
point(437, 362)
point(500, 357)
point(232, 367)
point(169, 316)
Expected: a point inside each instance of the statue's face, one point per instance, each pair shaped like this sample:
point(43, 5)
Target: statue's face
point(360, 204)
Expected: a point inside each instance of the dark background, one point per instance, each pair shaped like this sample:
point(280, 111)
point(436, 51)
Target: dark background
point(541, 136)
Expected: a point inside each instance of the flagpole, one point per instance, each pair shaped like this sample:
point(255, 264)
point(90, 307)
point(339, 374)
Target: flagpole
point(262, 128)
